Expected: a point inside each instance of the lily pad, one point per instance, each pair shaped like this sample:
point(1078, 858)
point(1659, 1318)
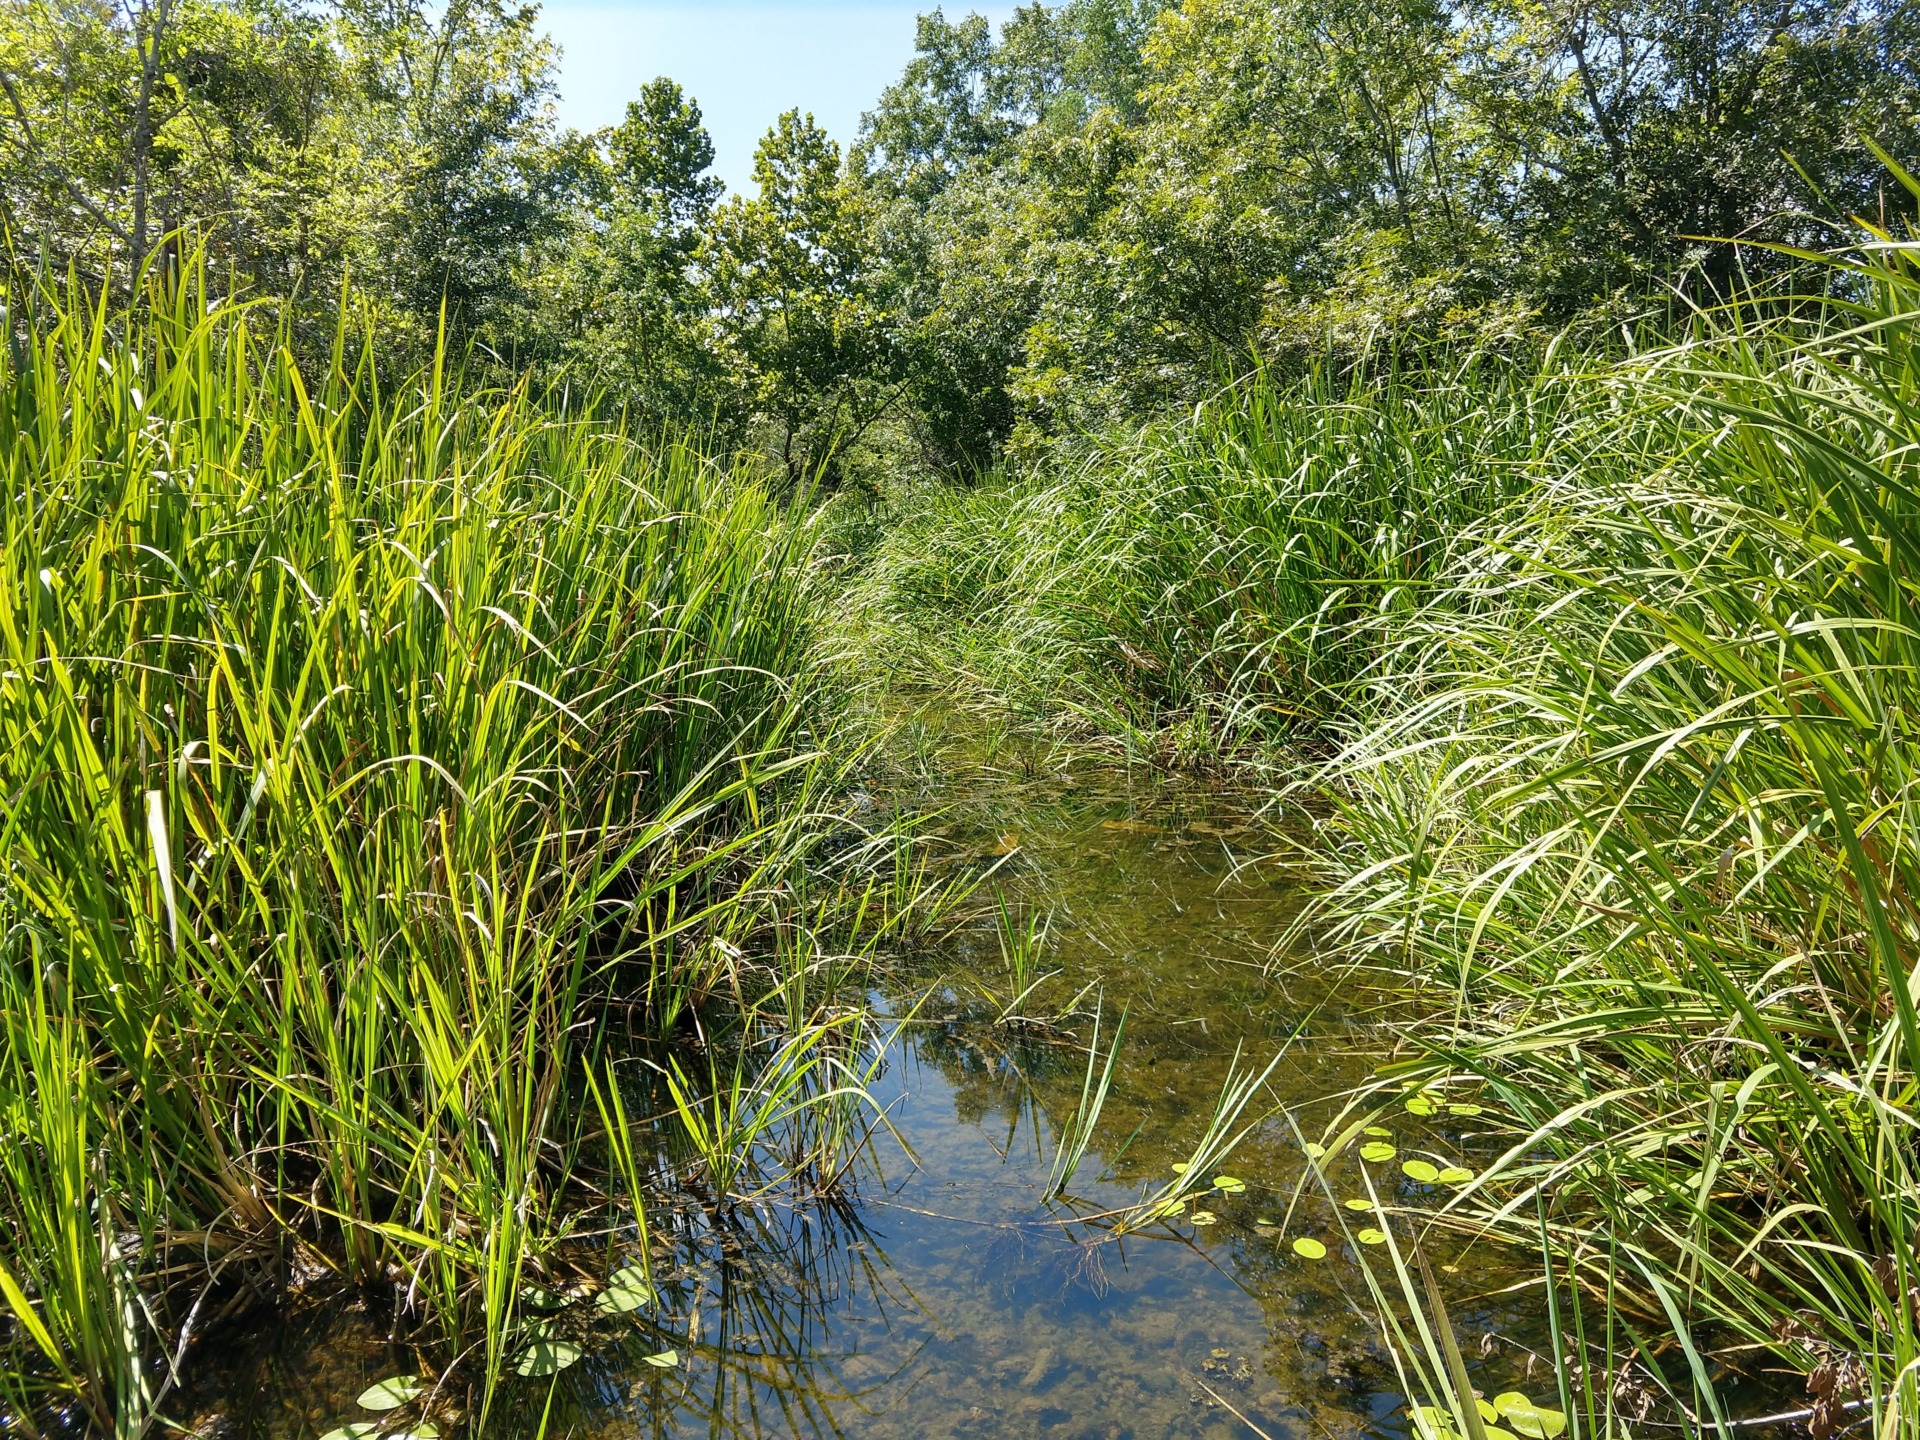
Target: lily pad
point(1315, 1149)
point(359, 1430)
point(1432, 1423)
point(391, 1394)
point(1203, 1217)
point(1370, 1236)
point(1421, 1170)
point(1455, 1175)
point(665, 1360)
point(1181, 1168)
point(538, 1297)
point(1358, 1204)
point(1463, 1109)
point(626, 1292)
point(1380, 1131)
point(1536, 1422)
point(1420, 1105)
point(1485, 1407)
point(1229, 1184)
point(1308, 1248)
point(1377, 1150)
point(1510, 1400)
point(548, 1357)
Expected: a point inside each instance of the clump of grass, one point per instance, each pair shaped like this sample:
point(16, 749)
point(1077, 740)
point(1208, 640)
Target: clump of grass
point(1205, 585)
point(376, 755)
point(1643, 803)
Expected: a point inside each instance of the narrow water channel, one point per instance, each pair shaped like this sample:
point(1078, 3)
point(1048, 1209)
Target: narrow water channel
point(942, 1295)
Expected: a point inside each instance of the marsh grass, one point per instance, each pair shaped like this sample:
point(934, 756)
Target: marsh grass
point(1644, 808)
point(1196, 588)
point(377, 756)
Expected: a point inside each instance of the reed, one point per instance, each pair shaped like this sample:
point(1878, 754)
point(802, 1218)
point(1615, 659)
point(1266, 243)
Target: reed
point(378, 754)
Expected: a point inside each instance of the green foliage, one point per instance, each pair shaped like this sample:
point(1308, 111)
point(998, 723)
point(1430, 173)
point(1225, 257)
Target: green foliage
point(365, 735)
point(798, 310)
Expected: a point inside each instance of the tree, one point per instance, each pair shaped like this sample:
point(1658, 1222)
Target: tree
point(621, 296)
point(798, 309)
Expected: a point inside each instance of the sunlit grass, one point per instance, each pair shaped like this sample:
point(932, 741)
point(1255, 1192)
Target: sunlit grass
point(377, 757)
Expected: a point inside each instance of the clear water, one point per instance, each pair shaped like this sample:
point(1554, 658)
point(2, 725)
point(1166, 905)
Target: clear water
point(944, 1298)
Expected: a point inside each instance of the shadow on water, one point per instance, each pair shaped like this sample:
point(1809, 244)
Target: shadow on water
point(938, 1293)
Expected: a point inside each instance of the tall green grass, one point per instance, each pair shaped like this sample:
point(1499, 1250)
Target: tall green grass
point(1645, 807)
point(378, 756)
point(1212, 583)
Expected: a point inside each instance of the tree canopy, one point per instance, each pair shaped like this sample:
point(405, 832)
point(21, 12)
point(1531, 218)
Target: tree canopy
point(1093, 213)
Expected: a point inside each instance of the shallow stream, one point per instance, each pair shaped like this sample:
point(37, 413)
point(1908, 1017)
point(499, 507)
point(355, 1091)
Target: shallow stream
point(945, 1297)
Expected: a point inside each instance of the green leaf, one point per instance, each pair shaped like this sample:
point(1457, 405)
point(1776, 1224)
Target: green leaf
point(1229, 1184)
point(665, 1360)
point(1421, 1170)
point(1358, 1204)
point(1370, 1236)
point(548, 1357)
point(1315, 1149)
point(1455, 1175)
point(1377, 1150)
point(1536, 1422)
point(1420, 1105)
point(1308, 1248)
point(1380, 1131)
point(1487, 1412)
point(1463, 1109)
point(359, 1430)
point(1432, 1423)
point(392, 1394)
point(1203, 1217)
point(626, 1292)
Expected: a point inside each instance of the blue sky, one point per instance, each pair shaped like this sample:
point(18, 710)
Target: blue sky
point(745, 61)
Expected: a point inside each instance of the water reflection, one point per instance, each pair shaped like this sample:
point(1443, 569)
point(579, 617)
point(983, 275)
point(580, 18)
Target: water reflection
point(935, 1294)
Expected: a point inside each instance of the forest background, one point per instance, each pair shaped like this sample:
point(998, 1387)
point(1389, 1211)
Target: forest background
point(1100, 213)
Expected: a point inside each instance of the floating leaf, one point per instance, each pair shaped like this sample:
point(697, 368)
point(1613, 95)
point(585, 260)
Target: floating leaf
point(1463, 1109)
point(1181, 1168)
point(1432, 1423)
point(1377, 1150)
point(548, 1357)
point(627, 1291)
point(1536, 1422)
point(1359, 1204)
point(1455, 1175)
point(359, 1430)
point(665, 1360)
point(1485, 1407)
point(1420, 1105)
point(1308, 1248)
point(1203, 1217)
point(392, 1394)
point(1167, 1207)
point(1371, 1236)
point(1420, 1170)
point(1315, 1150)
point(1510, 1399)
point(541, 1298)
point(1229, 1184)
point(1494, 1432)
point(1380, 1131)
